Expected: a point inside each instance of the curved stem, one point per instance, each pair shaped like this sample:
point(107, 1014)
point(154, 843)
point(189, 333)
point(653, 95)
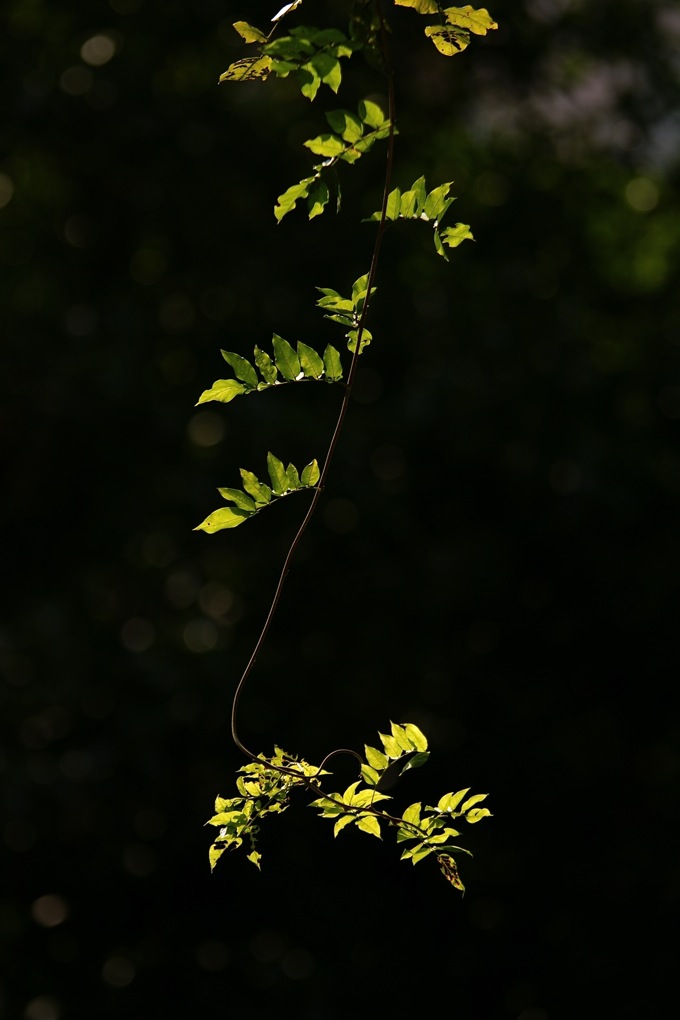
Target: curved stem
point(341, 414)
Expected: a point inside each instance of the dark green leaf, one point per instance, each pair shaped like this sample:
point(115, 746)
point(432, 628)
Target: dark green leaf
point(416, 761)
point(317, 199)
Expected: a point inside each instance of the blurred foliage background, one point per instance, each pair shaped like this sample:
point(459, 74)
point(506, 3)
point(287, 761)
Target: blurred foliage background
point(496, 558)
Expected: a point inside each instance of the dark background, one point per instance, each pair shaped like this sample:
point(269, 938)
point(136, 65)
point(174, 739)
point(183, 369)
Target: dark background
point(496, 557)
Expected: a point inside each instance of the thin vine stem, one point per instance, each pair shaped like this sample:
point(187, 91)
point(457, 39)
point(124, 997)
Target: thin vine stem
point(338, 424)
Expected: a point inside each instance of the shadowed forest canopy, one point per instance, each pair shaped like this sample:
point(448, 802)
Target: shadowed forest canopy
point(496, 556)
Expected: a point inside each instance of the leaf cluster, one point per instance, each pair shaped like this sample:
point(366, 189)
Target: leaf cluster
point(455, 24)
point(287, 365)
point(348, 311)
point(417, 204)
point(264, 788)
point(350, 137)
point(256, 495)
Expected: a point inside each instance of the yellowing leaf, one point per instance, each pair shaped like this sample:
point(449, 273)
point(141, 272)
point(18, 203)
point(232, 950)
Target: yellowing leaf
point(248, 69)
point(375, 758)
point(421, 6)
point(416, 736)
point(342, 822)
point(448, 41)
point(477, 21)
point(255, 857)
point(473, 800)
point(249, 33)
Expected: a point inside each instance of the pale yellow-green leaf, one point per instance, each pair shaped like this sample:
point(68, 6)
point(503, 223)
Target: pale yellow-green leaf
point(214, 854)
point(399, 734)
point(416, 736)
point(249, 33)
point(450, 801)
point(223, 390)
point(342, 822)
point(471, 801)
point(477, 21)
point(369, 775)
point(448, 40)
point(248, 69)
point(477, 814)
point(348, 795)
point(453, 236)
point(255, 857)
point(421, 6)
point(366, 798)
point(412, 813)
point(310, 473)
point(375, 758)
point(392, 749)
point(225, 517)
point(370, 824)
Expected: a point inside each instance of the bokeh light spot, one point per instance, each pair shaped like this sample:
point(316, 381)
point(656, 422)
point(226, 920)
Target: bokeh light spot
point(118, 971)
point(44, 1007)
point(50, 910)
point(137, 634)
point(206, 429)
point(6, 190)
point(642, 195)
point(98, 50)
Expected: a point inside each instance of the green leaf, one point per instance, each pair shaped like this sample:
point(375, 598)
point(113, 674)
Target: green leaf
point(291, 196)
point(214, 854)
point(416, 736)
point(310, 473)
point(285, 358)
point(348, 795)
point(453, 236)
point(371, 113)
point(309, 81)
point(359, 291)
point(249, 33)
point(412, 813)
point(392, 749)
point(277, 474)
point(260, 492)
point(439, 247)
point(450, 801)
point(326, 145)
point(255, 857)
point(248, 69)
point(448, 40)
point(369, 775)
point(345, 124)
point(310, 362)
point(420, 852)
point(415, 762)
point(342, 822)
point(477, 814)
point(393, 205)
point(471, 801)
point(366, 798)
point(399, 734)
point(292, 477)
point(242, 501)
point(327, 68)
point(317, 199)
point(421, 6)
point(225, 517)
point(332, 364)
point(375, 758)
point(479, 22)
point(222, 390)
point(436, 203)
point(353, 337)
point(242, 368)
point(370, 824)
point(266, 366)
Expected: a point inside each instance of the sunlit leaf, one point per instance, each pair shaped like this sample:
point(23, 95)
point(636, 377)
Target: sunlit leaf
point(266, 366)
point(310, 473)
point(370, 824)
point(222, 390)
point(328, 69)
point(310, 362)
point(375, 758)
point(214, 854)
point(369, 775)
point(421, 6)
point(255, 857)
point(249, 33)
point(238, 497)
point(345, 124)
point(248, 69)
point(412, 813)
point(317, 199)
point(242, 368)
point(342, 822)
point(450, 801)
point(449, 40)
point(477, 21)
point(392, 749)
point(371, 113)
point(292, 477)
point(450, 871)
point(453, 236)
point(471, 801)
point(436, 202)
point(291, 196)
point(477, 814)
point(285, 358)
point(225, 517)
point(326, 145)
point(285, 9)
point(260, 492)
point(277, 474)
point(416, 736)
point(332, 364)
